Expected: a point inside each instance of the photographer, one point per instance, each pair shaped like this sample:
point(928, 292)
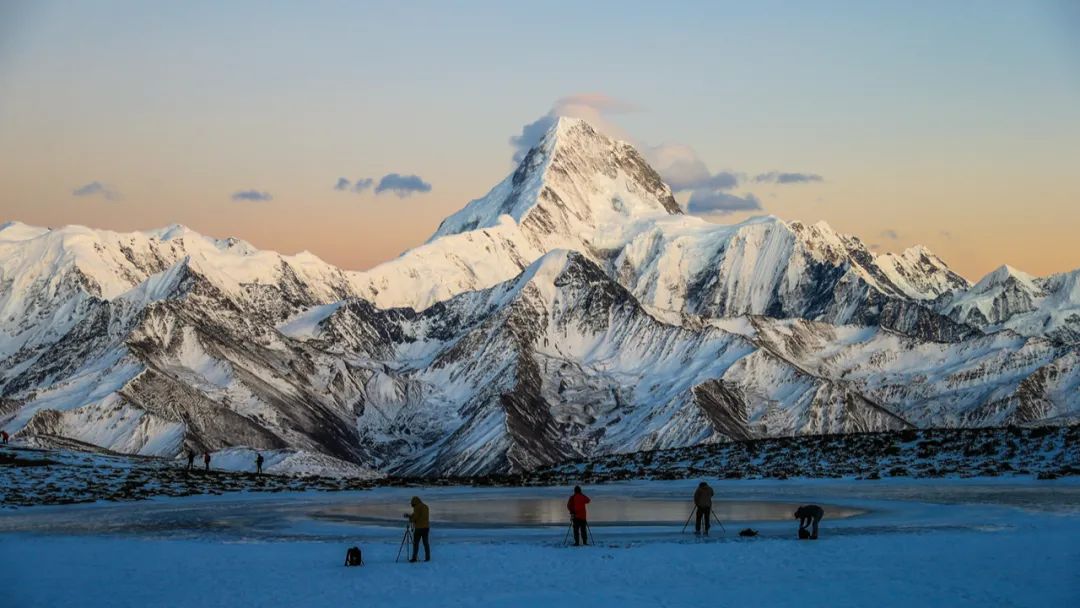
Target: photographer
point(419, 518)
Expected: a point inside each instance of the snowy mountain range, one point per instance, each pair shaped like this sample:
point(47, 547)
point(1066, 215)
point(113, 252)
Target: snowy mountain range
point(573, 311)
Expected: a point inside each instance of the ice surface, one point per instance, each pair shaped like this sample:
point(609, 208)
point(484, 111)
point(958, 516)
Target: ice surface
point(926, 544)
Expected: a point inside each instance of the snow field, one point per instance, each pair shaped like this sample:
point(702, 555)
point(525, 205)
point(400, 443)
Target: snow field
point(1031, 564)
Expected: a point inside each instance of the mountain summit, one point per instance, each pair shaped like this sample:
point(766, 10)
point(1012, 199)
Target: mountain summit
point(573, 182)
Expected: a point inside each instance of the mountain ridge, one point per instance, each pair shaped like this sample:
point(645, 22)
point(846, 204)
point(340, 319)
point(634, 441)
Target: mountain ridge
point(573, 311)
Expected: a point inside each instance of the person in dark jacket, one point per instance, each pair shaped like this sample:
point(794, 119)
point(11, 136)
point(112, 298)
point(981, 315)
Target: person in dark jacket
point(190, 459)
point(206, 461)
point(703, 507)
point(809, 515)
point(258, 464)
point(579, 517)
point(420, 518)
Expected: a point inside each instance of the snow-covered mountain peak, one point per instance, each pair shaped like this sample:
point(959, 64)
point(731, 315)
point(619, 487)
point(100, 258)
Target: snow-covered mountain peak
point(1004, 274)
point(17, 231)
point(573, 182)
point(919, 273)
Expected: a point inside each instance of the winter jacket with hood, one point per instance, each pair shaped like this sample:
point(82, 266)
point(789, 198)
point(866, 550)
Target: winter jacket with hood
point(420, 516)
point(703, 496)
point(576, 506)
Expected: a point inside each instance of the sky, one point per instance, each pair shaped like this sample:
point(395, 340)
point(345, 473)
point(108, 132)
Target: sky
point(351, 129)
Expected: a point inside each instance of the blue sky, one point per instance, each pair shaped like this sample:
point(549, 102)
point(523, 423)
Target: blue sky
point(923, 119)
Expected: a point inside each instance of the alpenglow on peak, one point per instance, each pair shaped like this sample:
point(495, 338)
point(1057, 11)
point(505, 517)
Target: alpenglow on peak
point(574, 180)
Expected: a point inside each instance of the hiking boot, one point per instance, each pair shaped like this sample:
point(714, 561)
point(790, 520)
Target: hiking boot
point(412, 561)
point(427, 559)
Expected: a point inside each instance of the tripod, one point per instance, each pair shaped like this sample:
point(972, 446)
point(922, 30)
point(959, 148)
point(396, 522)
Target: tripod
point(406, 540)
point(712, 513)
point(588, 530)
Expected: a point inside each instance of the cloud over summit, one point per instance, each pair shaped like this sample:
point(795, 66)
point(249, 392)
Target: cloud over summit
point(595, 108)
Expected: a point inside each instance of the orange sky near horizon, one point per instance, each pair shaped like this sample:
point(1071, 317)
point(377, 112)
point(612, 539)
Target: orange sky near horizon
point(951, 125)
point(357, 232)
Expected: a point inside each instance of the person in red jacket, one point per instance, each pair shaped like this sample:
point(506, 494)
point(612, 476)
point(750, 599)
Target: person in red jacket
point(206, 460)
point(579, 518)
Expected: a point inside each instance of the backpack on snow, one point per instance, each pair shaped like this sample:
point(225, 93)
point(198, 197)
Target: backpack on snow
point(353, 557)
point(748, 532)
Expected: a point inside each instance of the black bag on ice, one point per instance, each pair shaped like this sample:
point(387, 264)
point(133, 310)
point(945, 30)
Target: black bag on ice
point(353, 557)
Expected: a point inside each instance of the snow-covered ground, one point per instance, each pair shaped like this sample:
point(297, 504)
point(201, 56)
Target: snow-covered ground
point(919, 543)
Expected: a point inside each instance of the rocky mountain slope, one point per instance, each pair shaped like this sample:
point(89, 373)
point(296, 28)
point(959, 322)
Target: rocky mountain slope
point(573, 311)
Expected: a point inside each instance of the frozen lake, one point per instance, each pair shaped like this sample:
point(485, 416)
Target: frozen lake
point(542, 511)
point(631, 510)
point(927, 542)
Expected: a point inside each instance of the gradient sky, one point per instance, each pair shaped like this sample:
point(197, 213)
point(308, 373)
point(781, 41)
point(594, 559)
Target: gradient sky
point(951, 124)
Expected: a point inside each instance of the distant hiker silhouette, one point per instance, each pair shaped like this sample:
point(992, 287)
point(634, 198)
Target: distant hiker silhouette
point(579, 516)
point(809, 515)
point(190, 459)
point(258, 464)
point(206, 461)
point(703, 504)
point(4, 436)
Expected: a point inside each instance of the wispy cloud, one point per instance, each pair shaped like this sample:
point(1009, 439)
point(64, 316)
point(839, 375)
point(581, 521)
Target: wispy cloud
point(683, 169)
point(890, 234)
point(706, 202)
point(251, 195)
point(402, 185)
point(595, 108)
point(779, 177)
point(358, 186)
point(96, 189)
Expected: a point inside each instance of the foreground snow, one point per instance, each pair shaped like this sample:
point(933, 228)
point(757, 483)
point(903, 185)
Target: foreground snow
point(978, 553)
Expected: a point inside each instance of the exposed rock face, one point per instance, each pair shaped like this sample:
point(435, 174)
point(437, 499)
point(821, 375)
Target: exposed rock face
point(573, 311)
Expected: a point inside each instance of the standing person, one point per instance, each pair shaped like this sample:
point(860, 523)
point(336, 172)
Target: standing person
point(4, 435)
point(206, 461)
point(809, 515)
point(190, 459)
point(420, 518)
point(258, 464)
point(579, 517)
point(703, 507)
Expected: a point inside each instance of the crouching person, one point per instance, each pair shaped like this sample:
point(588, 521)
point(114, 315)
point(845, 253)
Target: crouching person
point(809, 516)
